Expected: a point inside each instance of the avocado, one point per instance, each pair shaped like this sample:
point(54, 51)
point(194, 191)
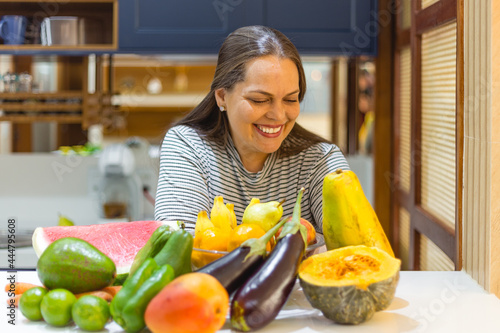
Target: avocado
point(76, 265)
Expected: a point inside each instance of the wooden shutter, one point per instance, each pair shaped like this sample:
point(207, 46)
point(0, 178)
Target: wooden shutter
point(426, 168)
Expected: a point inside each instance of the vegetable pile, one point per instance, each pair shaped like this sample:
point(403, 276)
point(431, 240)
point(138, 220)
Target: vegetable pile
point(356, 277)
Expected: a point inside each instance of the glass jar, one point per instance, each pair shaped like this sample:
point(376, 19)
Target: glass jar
point(9, 82)
point(25, 80)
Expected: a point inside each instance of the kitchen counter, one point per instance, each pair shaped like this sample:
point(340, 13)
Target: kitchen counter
point(424, 302)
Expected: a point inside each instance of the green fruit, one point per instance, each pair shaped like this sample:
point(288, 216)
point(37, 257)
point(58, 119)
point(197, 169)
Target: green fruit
point(76, 265)
point(64, 221)
point(90, 313)
point(266, 214)
point(56, 307)
point(29, 303)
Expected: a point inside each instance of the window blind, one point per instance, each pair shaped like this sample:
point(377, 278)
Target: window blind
point(427, 3)
point(404, 238)
point(432, 258)
point(438, 142)
point(404, 119)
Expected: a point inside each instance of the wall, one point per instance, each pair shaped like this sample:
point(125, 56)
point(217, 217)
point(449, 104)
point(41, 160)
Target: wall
point(481, 196)
point(36, 187)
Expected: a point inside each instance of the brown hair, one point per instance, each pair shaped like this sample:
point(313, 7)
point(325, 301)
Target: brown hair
point(240, 47)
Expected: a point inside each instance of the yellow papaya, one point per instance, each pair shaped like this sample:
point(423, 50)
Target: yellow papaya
point(348, 217)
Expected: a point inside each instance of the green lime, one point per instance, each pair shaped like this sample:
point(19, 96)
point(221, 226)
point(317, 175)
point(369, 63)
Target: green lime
point(29, 303)
point(56, 307)
point(90, 313)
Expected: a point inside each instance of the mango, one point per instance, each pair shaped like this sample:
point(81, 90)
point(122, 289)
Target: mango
point(311, 232)
point(192, 303)
point(76, 265)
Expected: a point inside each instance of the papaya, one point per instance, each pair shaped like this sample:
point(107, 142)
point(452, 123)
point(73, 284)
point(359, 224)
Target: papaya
point(348, 217)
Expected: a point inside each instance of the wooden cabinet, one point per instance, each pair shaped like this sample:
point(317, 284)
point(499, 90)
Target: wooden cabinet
point(152, 92)
point(69, 102)
point(95, 31)
point(321, 27)
point(62, 107)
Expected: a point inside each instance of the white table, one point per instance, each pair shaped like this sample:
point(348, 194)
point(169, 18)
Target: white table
point(424, 302)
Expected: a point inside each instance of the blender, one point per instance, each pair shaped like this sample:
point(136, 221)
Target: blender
point(120, 187)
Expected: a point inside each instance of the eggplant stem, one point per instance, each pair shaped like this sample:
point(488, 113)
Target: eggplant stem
point(295, 225)
point(258, 245)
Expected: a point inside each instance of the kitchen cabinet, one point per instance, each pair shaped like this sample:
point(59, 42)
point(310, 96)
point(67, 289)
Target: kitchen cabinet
point(59, 95)
point(320, 27)
point(188, 26)
point(95, 32)
point(151, 92)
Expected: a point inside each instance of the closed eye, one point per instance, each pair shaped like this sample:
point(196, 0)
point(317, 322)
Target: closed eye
point(259, 101)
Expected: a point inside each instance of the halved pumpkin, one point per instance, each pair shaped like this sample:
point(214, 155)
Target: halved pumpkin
point(351, 283)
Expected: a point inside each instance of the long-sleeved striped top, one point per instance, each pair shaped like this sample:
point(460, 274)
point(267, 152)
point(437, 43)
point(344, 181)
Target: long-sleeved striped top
point(193, 171)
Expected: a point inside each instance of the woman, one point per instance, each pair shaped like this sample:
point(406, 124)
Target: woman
point(241, 141)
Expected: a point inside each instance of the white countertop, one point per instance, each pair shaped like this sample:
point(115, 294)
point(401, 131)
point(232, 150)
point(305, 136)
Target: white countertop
point(424, 302)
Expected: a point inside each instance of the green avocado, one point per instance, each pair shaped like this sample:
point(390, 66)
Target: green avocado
point(76, 265)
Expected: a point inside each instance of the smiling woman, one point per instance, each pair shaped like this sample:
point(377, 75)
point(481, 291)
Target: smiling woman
point(242, 140)
point(261, 109)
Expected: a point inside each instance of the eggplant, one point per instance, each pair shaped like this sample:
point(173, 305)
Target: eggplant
point(233, 269)
point(259, 300)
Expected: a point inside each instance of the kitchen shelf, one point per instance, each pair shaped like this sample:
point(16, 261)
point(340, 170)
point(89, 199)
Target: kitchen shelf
point(76, 119)
point(42, 95)
point(99, 26)
point(25, 107)
point(39, 107)
point(163, 100)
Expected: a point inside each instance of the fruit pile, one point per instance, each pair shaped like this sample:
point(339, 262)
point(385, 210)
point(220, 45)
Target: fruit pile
point(76, 280)
point(221, 232)
point(157, 289)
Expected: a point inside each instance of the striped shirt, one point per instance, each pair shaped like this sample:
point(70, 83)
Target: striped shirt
point(193, 171)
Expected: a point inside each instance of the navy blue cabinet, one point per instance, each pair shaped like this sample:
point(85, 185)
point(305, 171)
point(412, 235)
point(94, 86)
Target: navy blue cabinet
point(322, 27)
point(340, 27)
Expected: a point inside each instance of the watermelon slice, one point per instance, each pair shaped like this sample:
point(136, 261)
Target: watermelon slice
point(120, 241)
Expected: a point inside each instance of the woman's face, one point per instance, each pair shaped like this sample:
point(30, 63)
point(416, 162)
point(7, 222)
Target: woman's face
point(262, 109)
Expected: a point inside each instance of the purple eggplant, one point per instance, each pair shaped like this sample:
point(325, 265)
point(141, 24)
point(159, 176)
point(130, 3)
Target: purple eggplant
point(233, 269)
point(259, 300)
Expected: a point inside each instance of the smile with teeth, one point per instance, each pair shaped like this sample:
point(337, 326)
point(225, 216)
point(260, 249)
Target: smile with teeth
point(269, 130)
